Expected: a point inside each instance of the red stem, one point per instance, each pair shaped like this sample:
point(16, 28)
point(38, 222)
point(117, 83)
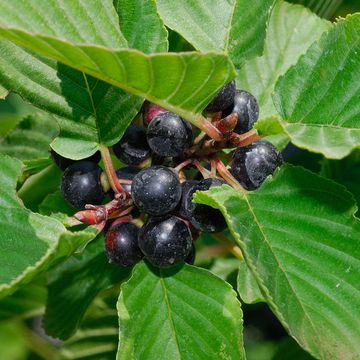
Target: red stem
point(226, 175)
point(110, 171)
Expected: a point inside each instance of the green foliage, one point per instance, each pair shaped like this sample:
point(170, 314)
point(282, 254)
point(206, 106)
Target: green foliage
point(301, 241)
point(30, 242)
point(317, 115)
point(173, 303)
point(76, 283)
point(88, 66)
point(219, 25)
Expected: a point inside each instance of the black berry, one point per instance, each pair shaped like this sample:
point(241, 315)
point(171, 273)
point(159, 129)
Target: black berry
point(165, 241)
point(190, 259)
point(247, 110)
point(156, 190)
point(224, 98)
point(202, 217)
point(133, 148)
point(169, 135)
point(252, 164)
point(80, 184)
point(63, 162)
point(121, 244)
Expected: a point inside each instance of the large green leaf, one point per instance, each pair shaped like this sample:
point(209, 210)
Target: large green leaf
point(29, 140)
point(73, 286)
point(183, 82)
point(131, 14)
point(29, 242)
point(231, 26)
point(3, 92)
point(188, 314)
point(301, 240)
point(291, 30)
point(89, 112)
point(318, 98)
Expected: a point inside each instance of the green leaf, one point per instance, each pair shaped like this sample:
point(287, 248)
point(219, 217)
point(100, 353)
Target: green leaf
point(183, 83)
point(345, 172)
point(324, 8)
point(28, 301)
point(29, 242)
point(30, 140)
point(157, 309)
point(230, 26)
point(92, 22)
point(319, 96)
point(131, 12)
point(36, 187)
point(3, 92)
point(97, 337)
point(89, 112)
point(300, 239)
point(291, 30)
point(224, 267)
point(247, 286)
point(55, 203)
point(73, 286)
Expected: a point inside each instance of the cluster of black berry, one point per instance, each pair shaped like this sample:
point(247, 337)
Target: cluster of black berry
point(165, 167)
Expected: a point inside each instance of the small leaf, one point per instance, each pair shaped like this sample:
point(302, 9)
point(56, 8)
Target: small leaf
point(301, 241)
point(232, 26)
point(291, 30)
point(29, 140)
point(29, 242)
point(188, 314)
point(247, 286)
point(131, 12)
point(318, 98)
point(183, 83)
point(73, 286)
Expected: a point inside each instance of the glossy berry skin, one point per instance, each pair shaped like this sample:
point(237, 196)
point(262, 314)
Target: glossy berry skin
point(80, 184)
point(156, 190)
point(202, 217)
point(190, 259)
point(169, 135)
point(121, 244)
point(127, 173)
point(224, 98)
point(63, 162)
point(247, 110)
point(252, 164)
point(165, 242)
point(133, 148)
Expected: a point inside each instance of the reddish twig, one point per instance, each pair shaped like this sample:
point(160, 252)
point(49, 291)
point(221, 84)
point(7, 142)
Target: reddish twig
point(110, 171)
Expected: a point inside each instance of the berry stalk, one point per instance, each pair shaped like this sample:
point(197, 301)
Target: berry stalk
point(110, 171)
